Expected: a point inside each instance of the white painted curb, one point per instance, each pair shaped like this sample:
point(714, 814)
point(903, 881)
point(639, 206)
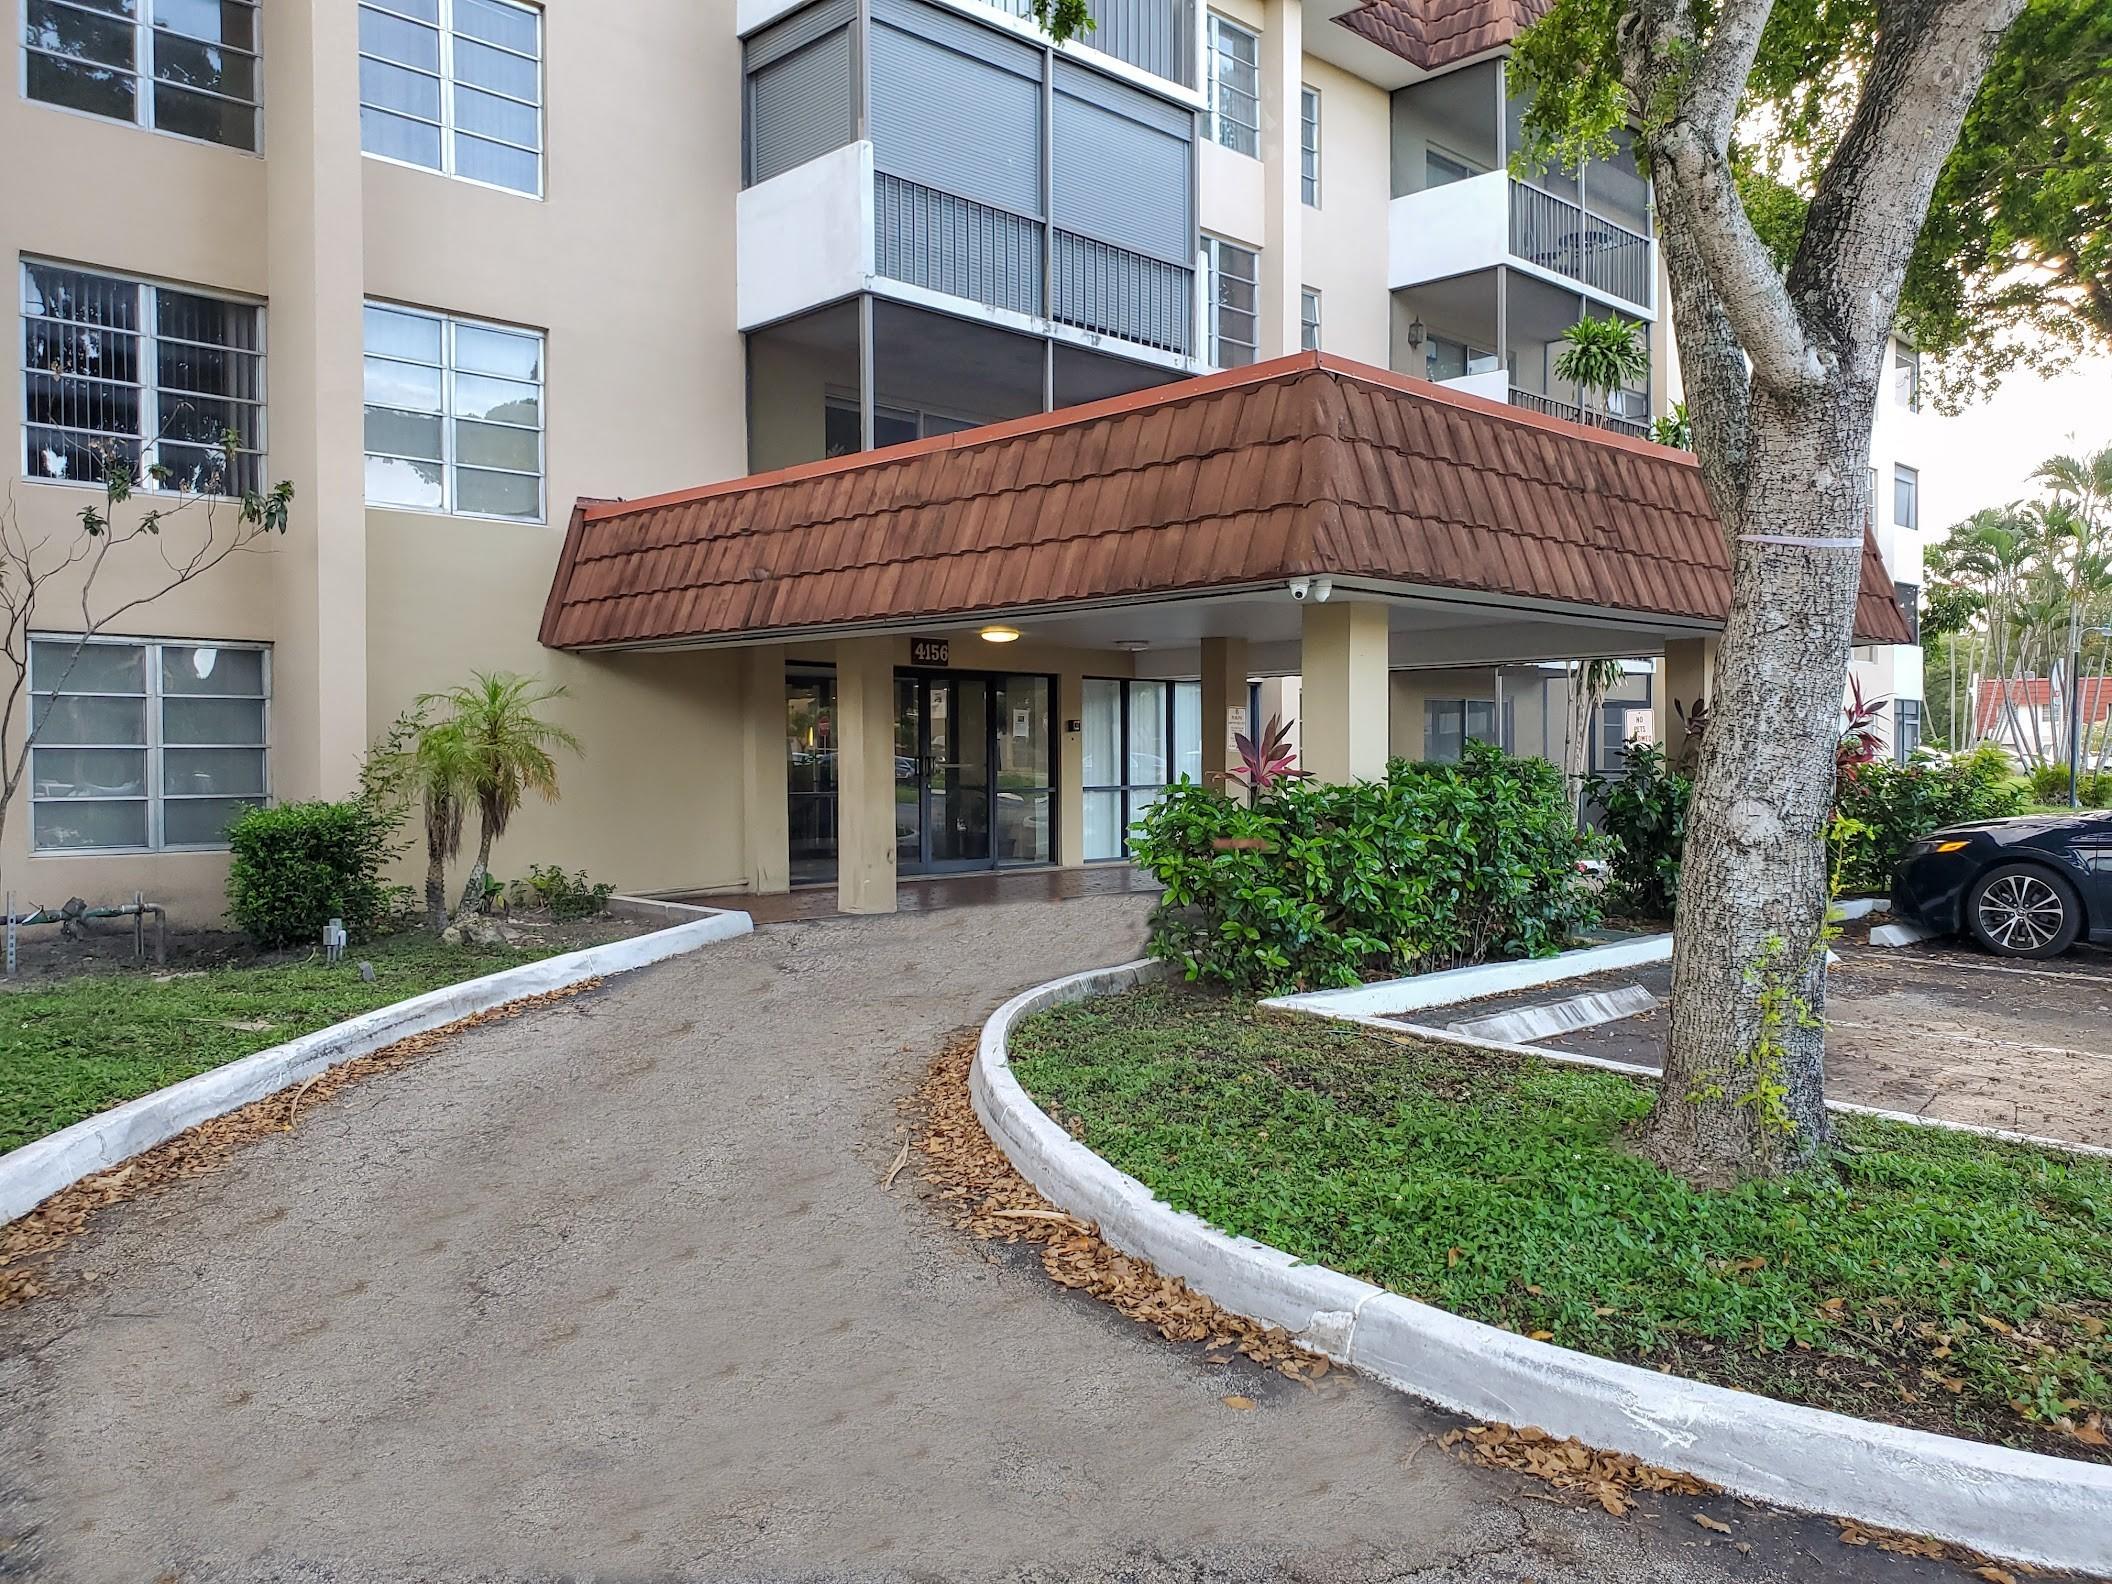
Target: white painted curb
point(2024, 1506)
point(1420, 991)
point(39, 1169)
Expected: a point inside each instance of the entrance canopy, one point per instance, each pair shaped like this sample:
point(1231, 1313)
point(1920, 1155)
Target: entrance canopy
point(1305, 467)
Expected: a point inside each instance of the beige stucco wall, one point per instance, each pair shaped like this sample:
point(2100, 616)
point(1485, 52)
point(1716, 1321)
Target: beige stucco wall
point(1345, 237)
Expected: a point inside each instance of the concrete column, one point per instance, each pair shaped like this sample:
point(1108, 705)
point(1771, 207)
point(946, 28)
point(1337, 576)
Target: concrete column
point(1283, 214)
point(1344, 691)
point(1688, 674)
point(865, 775)
point(1070, 769)
point(766, 833)
point(1224, 706)
point(314, 244)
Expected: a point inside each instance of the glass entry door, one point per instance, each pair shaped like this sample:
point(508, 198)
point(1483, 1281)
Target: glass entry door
point(942, 773)
point(972, 771)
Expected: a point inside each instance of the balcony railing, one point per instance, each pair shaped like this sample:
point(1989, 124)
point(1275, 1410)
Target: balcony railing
point(1157, 36)
point(949, 244)
point(1554, 408)
point(1116, 292)
point(1560, 236)
point(955, 245)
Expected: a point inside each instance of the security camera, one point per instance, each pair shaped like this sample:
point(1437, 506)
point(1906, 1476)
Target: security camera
point(1301, 589)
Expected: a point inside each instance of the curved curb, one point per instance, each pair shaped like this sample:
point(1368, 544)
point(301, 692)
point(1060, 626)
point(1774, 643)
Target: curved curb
point(2024, 1506)
point(40, 1168)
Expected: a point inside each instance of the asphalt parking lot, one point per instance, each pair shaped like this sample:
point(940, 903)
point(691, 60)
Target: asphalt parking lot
point(1939, 1030)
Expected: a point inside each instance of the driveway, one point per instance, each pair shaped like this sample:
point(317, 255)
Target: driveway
point(612, 1291)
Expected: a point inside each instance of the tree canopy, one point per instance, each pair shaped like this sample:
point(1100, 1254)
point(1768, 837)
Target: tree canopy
point(2013, 268)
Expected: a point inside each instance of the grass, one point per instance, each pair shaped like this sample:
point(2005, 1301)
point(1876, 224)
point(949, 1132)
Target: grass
point(1921, 1276)
point(86, 1044)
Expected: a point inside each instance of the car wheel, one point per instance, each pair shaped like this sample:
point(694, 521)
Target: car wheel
point(2020, 910)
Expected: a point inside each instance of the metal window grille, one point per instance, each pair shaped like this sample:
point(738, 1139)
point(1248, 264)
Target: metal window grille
point(1235, 279)
point(454, 86)
point(454, 415)
point(145, 745)
point(1309, 146)
point(191, 70)
point(1309, 319)
point(150, 377)
point(1235, 87)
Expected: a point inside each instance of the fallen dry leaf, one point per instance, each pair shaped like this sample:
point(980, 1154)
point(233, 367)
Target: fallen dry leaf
point(1714, 1525)
point(1239, 1402)
point(1995, 1575)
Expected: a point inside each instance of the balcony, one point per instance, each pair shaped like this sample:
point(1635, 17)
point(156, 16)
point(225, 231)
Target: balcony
point(1555, 407)
point(1482, 221)
point(1157, 36)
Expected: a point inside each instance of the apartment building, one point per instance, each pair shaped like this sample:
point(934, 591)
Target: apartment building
point(451, 266)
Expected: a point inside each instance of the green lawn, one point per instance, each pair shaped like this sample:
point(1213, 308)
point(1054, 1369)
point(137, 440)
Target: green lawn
point(86, 1044)
point(1922, 1276)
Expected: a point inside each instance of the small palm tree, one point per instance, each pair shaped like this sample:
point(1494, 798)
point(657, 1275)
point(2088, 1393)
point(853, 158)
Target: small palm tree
point(1601, 356)
point(438, 770)
point(509, 749)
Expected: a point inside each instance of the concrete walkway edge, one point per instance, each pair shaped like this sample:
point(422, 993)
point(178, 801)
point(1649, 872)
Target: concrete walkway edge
point(2021, 1506)
point(40, 1168)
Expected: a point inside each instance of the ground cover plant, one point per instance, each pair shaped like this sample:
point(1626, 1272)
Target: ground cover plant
point(83, 1045)
point(1920, 1276)
point(1309, 884)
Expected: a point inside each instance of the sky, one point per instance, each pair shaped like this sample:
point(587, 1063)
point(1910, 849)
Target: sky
point(1985, 455)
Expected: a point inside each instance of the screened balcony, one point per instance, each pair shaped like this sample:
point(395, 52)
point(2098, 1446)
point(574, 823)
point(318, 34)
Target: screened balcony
point(1457, 208)
point(1157, 36)
point(984, 170)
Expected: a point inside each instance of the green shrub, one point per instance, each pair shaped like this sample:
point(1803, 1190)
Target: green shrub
point(1646, 818)
point(299, 865)
point(571, 896)
point(1433, 866)
point(1896, 805)
point(2097, 790)
point(2049, 784)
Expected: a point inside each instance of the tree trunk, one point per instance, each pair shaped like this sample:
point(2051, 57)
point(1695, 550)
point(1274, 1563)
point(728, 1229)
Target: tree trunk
point(435, 888)
point(1744, 1082)
point(473, 890)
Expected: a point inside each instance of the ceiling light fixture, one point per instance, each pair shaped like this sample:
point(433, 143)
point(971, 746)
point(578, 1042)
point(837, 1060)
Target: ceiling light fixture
point(1000, 634)
point(1133, 645)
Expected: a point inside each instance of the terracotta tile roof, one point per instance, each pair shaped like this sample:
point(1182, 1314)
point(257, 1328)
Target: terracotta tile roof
point(2035, 694)
point(1303, 466)
point(1433, 34)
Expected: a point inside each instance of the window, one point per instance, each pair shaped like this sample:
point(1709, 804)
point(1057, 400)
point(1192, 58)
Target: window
point(454, 415)
point(1906, 727)
point(1235, 277)
point(1906, 497)
point(117, 370)
point(455, 86)
point(891, 425)
point(1909, 597)
point(1440, 169)
point(1447, 723)
point(184, 66)
point(1137, 737)
point(1446, 359)
point(1235, 87)
point(144, 745)
point(1906, 376)
point(1309, 319)
point(1309, 145)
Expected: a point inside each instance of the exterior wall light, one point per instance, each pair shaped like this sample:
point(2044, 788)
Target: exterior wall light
point(1000, 634)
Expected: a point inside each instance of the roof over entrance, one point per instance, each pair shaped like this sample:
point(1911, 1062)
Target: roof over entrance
point(1305, 466)
point(1435, 33)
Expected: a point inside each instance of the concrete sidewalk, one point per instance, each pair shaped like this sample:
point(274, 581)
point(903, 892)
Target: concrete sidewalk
point(612, 1291)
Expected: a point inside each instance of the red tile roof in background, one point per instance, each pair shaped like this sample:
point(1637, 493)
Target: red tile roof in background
point(2036, 693)
point(1308, 465)
point(1432, 34)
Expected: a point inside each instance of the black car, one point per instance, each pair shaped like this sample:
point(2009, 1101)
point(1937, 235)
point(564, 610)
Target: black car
point(2025, 887)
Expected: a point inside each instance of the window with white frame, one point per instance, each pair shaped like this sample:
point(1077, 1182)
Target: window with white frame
point(121, 372)
point(1235, 87)
point(184, 66)
point(144, 745)
point(455, 86)
point(1906, 497)
point(1309, 145)
point(1906, 376)
point(454, 414)
point(1235, 302)
point(1309, 319)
